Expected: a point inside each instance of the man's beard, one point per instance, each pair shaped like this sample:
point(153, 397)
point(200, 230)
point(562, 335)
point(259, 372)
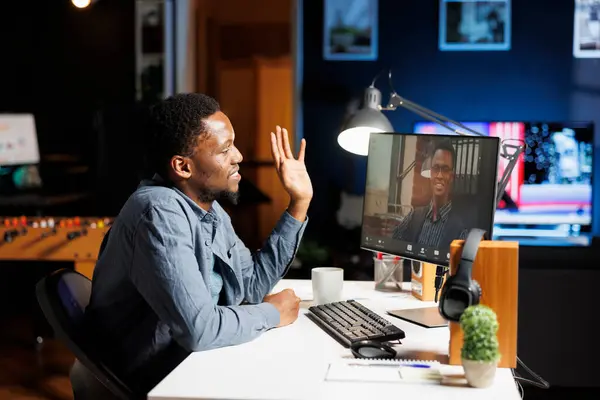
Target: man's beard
point(208, 196)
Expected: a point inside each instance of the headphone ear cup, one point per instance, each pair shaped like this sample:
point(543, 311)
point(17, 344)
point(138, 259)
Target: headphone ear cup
point(477, 292)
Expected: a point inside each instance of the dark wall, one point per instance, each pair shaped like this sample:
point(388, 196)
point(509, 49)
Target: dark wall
point(62, 64)
point(538, 79)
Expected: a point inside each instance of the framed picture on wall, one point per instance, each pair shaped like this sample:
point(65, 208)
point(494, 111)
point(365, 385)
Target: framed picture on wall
point(475, 25)
point(586, 29)
point(350, 30)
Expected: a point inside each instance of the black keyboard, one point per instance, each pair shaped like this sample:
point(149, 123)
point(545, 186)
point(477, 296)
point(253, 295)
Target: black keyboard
point(349, 321)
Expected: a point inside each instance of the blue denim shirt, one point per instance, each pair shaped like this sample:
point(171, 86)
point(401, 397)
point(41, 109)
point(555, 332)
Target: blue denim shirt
point(151, 284)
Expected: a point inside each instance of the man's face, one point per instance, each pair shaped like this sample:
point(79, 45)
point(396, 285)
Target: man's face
point(442, 173)
point(215, 161)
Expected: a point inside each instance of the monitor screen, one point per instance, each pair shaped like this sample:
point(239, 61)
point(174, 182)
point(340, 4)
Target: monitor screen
point(549, 194)
point(424, 191)
point(19, 153)
point(18, 140)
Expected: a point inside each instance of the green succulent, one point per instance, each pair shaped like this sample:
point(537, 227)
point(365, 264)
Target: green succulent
point(480, 341)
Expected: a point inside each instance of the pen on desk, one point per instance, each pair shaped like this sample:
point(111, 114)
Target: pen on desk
point(415, 365)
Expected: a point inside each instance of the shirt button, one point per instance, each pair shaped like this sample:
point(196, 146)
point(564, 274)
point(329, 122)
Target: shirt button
point(207, 242)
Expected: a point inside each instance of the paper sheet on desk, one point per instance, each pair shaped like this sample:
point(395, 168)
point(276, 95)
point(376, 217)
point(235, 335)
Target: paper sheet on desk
point(390, 371)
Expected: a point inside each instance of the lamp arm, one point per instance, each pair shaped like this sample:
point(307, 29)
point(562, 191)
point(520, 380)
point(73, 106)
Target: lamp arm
point(395, 102)
point(512, 162)
point(407, 170)
point(398, 101)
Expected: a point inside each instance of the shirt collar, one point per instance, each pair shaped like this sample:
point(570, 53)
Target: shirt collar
point(214, 214)
point(442, 212)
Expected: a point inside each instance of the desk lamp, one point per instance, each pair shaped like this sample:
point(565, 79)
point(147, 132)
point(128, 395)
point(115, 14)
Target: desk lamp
point(354, 138)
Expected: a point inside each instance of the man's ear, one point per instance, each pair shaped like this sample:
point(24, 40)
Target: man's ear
point(181, 166)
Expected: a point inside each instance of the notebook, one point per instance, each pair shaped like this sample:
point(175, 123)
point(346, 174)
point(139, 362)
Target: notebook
point(428, 317)
point(379, 370)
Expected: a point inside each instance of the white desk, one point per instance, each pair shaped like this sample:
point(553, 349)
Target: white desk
point(290, 363)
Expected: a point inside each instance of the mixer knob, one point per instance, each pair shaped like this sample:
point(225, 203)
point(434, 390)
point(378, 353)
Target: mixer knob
point(43, 223)
point(76, 234)
point(12, 233)
point(35, 224)
point(50, 222)
point(49, 233)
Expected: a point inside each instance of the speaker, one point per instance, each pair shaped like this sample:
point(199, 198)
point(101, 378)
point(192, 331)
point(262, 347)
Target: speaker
point(496, 270)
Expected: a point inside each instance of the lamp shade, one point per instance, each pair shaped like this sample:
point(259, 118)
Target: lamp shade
point(355, 135)
point(426, 168)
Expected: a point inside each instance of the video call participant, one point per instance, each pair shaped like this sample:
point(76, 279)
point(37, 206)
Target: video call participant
point(435, 225)
point(172, 276)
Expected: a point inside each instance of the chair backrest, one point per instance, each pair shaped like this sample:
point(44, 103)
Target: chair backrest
point(63, 296)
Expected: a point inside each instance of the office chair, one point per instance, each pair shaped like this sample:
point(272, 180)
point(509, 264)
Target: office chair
point(63, 296)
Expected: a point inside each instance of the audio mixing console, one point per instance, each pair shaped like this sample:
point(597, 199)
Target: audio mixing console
point(75, 239)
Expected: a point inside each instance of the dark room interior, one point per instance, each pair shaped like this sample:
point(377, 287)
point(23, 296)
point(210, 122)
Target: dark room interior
point(77, 71)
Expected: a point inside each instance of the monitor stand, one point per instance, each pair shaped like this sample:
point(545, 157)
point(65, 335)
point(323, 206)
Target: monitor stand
point(428, 317)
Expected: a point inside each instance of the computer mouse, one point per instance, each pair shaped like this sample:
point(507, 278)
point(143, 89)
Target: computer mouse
point(372, 349)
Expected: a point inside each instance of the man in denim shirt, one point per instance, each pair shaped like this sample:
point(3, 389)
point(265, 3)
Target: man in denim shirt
point(172, 276)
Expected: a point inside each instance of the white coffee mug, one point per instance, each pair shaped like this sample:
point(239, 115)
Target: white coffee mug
point(327, 284)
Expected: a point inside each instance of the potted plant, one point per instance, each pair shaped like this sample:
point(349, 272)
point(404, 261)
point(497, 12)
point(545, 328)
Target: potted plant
point(480, 352)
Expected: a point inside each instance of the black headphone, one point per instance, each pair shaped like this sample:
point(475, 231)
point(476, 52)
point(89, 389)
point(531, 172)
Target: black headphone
point(460, 290)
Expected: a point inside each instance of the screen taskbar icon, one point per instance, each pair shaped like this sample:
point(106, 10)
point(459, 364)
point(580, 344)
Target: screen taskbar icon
point(407, 248)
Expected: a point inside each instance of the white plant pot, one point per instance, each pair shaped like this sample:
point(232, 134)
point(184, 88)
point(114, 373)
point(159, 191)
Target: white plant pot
point(479, 374)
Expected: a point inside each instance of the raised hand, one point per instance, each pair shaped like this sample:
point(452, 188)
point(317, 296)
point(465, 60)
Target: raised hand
point(291, 171)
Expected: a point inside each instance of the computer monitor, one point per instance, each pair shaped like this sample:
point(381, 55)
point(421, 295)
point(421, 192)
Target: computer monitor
point(18, 140)
point(424, 191)
point(549, 194)
point(19, 153)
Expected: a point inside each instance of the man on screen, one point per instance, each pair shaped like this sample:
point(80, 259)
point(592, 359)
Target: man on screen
point(435, 225)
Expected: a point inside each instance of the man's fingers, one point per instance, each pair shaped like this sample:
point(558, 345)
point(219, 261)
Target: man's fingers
point(275, 150)
point(280, 144)
point(302, 150)
point(286, 144)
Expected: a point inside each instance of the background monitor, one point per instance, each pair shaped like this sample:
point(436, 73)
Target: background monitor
point(549, 194)
point(18, 140)
point(413, 180)
point(19, 153)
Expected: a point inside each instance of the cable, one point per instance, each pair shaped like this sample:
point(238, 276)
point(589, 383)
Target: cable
point(440, 272)
point(390, 82)
point(377, 77)
point(541, 383)
point(518, 384)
